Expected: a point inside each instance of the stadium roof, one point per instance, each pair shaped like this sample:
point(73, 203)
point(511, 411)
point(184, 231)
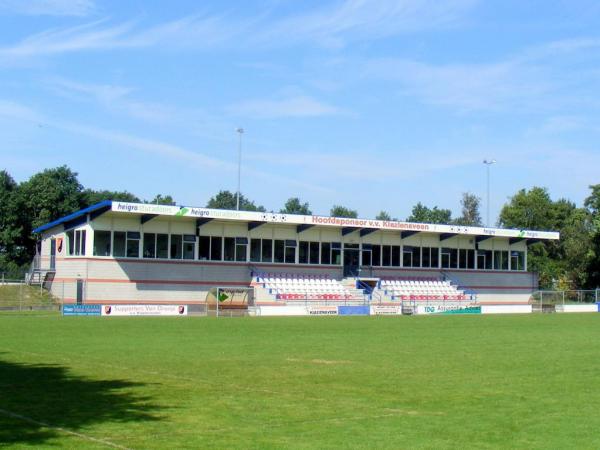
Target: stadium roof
point(147, 211)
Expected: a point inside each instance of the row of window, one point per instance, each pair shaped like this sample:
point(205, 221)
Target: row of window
point(216, 248)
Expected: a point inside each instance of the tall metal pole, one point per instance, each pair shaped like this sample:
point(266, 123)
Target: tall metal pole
point(488, 163)
point(240, 131)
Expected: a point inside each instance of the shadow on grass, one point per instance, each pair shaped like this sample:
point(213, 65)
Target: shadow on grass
point(51, 395)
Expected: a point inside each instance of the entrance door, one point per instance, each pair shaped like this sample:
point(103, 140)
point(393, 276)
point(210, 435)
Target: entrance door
point(79, 293)
point(53, 254)
point(351, 260)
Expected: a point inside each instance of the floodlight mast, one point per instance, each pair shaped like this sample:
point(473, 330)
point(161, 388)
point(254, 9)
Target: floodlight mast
point(240, 132)
point(488, 163)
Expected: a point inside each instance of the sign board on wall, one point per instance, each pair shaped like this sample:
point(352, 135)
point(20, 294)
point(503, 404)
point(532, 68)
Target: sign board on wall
point(144, 310)
point(322, 310)
point(447, 309)
point(590, 307)
point(297, 219)
point(385, 310)
point(353, 310)
point(81, 310)
point(506, 309)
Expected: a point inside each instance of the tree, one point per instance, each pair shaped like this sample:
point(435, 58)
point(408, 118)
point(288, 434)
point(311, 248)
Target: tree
point(162, 200)
point(294, 206)
point(383, 216)
point(592, 204)
point(422, 214)
point(12, 220)
point(342, 211)
point(91, 197)
point(45, 197)
point(565, 261)
point(470, 211)
point(227, 200)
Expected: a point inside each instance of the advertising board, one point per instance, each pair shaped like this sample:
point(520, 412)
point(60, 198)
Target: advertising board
point(81, 310)
point(144, 310)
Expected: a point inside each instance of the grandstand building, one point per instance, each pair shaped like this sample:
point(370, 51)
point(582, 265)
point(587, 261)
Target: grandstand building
point(116, 252)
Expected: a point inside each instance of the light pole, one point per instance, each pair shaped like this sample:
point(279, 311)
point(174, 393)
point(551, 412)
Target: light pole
point(239, 131)
point(488, 163)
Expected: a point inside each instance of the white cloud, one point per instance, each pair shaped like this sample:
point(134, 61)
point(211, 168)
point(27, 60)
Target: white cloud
point(362, 19)
point(48, 7)
point(538, 79)
point(297, 106)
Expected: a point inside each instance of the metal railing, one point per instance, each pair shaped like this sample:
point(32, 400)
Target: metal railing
point(569, 297)
point(18, 295)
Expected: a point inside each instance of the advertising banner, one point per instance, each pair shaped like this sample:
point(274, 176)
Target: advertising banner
point(447, 309)
point(386, 310)
point(353, 310)
point(81, 310)
point(144, 310)
point(322, 310)
point(297, 219)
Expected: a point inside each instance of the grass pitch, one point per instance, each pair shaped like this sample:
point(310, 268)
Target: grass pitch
point(311, 382)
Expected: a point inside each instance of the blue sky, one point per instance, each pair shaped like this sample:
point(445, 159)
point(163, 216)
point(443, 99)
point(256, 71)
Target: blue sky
point(370, 104)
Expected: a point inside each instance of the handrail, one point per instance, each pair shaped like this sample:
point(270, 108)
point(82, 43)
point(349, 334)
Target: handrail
point(453, 279)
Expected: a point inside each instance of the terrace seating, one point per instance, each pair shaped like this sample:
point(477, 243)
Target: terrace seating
point(299, 287)
point(422, 289)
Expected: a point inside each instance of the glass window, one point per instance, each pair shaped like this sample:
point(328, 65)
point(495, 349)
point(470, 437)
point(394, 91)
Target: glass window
point(470, 259)
point(229, 249)
point(255, 250)
point(290, 251)
point(396, 255)
point(189, 246)
point(449, 258)
point(435, 257)
point(79, 242)
point(426, 256)
point(484, 259)
point(176, 245)
point(119, 243)
point(376, 250)
point(71, 242)
point(407, 256)
point(303, 252)
point(279, 251)
point(241, 249)
point(215, 248)
point(149, 245)
point(267, 250)
point(367, 254)
point(462, 258)
point(133, 244)
point(101, 243)
point(325, 253)
point(517, 260)
point(387, 256)
point(416, 256)
point(314, 253)
point(336, 253)
point(162, 246)
point(501, 260)
point(204, 248)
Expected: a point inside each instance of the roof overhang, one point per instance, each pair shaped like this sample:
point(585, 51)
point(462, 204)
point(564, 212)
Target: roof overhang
point(303, 222)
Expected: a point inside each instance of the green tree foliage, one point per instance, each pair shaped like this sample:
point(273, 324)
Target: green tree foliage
point(342, 211)
point(295, 206)
point(91, 197)
point(227, 200)
point(470, 211)
point(422, 214)
point(383, 215)
point(162, 200)
point(562, 261)
point(12, 251)
point(592, 204)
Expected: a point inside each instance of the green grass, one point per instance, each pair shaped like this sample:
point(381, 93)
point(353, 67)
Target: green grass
point(317, 382)
point(25, 296)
